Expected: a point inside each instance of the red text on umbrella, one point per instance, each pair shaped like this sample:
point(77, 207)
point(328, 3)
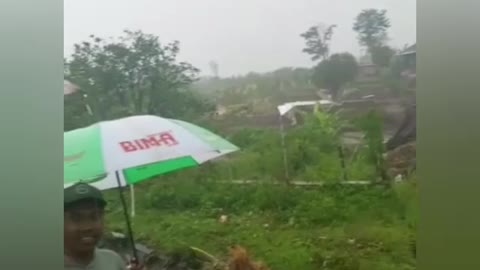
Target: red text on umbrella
point(151, 141)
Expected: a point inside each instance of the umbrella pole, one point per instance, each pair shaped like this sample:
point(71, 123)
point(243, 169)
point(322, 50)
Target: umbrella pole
point(127, 217)
point(132, 200)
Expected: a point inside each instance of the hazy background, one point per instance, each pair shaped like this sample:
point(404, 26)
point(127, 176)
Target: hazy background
point(241, 35)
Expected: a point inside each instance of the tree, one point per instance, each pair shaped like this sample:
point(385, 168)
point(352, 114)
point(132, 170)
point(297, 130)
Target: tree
point(317, 41)
point(134, 74)
point(371, 26)
point(334, 72)
point(382, 55)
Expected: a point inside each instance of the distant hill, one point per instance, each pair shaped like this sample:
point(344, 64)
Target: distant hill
point(250, 101)
point(278, 86)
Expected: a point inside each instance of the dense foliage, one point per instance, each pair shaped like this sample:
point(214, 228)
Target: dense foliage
point(371, 26)
point(317, 41)
point(335, 72)
point(134, 74)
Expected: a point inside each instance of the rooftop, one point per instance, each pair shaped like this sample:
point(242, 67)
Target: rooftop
point(410, 50)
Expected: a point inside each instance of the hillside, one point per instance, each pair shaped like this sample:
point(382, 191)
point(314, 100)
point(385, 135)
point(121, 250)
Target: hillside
point(250, 101)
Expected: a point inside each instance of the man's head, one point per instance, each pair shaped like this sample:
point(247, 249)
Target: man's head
point(83, 217)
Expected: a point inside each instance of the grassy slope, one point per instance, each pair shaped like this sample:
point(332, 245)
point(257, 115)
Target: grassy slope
point(333, 228)
point(289, 229)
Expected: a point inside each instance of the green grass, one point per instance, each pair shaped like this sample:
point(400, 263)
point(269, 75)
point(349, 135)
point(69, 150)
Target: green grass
point(288, 228)
point(334, 227)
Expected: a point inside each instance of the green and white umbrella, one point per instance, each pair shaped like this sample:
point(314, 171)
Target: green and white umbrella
point(139, 146)
point(130, 150)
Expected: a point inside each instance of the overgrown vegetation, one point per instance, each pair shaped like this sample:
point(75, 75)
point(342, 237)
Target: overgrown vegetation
point(335, 226)
point(330, 227)
point(312, 153)
point(333, 73)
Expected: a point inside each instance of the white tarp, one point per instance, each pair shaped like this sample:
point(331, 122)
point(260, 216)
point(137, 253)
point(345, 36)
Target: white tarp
point(286, 107)
point(69, 88)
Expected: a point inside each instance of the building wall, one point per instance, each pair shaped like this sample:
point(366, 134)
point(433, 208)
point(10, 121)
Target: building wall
point(411, 61)
point(367, 72)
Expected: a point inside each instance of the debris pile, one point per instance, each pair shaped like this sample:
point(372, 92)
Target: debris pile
point(401, 160)
point(240, 260)
point(188, 258)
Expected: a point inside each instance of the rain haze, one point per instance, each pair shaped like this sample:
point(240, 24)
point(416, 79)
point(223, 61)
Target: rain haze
point(241, 35)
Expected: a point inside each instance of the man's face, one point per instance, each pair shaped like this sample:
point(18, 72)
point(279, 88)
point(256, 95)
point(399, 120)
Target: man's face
point(83, 226)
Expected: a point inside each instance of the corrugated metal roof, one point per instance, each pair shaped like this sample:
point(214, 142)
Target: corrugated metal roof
point(410, 50)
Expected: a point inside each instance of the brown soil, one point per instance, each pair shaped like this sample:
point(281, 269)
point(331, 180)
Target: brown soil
point(401, 160)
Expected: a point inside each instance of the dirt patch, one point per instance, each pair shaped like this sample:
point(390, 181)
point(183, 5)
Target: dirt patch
point(184, 258)
point(402, 160)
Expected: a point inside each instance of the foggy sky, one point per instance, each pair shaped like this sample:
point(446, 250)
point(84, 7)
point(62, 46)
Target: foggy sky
point(240, 35)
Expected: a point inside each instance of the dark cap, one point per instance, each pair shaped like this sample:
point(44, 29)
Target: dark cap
point(80, 192)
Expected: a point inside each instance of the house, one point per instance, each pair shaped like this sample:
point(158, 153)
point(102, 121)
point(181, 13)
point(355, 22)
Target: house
point(367, 70)
point(409, 58)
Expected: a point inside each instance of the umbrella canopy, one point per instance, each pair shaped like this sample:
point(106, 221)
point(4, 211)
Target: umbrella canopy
point(141, 173)
point(140, 146)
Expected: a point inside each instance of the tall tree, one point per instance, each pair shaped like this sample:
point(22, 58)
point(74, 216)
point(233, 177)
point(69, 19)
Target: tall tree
point(134, 74)
point(372, 26)
point(317, 41)
point(381, 55)
point(335, 72)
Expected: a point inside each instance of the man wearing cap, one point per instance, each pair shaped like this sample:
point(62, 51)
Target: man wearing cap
point(83, 227)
